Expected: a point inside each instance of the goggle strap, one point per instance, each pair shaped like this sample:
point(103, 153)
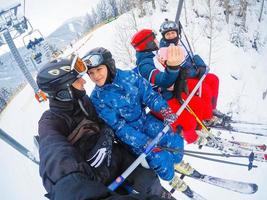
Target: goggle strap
point(73, 62)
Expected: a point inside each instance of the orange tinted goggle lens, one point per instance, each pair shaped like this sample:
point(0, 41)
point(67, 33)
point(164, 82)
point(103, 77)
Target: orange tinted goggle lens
point(80, 66)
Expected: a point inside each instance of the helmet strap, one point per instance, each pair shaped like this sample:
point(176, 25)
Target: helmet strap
point(109, 78)
point(82, 107)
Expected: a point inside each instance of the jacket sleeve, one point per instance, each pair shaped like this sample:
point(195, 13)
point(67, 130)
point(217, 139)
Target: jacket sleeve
point(77, 186)
point(127, 134)
point(192, 66)
point(148, 70)
point(58, 158)
point(149, 97)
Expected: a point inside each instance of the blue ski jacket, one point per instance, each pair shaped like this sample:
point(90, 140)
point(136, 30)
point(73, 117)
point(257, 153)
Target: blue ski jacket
point(121, 104)
point(161, 80)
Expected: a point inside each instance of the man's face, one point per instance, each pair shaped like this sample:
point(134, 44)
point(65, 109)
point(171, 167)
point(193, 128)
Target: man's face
point(79, 84)
point(98, 75)
point(170, 35)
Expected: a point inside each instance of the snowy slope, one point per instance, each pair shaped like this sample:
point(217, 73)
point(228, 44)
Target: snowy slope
point(20, 178)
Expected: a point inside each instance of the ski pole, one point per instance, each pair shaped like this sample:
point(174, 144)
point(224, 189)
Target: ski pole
point(197, 155)
point(250, 166)
point(120, 179)
point(227, 155)
point(19, 147)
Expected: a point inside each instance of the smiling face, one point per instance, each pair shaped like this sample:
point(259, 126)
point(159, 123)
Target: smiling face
point(98, 75)
point(170, 35)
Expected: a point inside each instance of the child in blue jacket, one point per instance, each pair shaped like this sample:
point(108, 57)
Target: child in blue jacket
point(120, 98)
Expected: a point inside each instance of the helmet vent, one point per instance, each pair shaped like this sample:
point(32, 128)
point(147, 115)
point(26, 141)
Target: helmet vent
point(54, 72)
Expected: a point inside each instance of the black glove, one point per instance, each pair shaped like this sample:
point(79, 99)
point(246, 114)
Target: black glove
point(180, 84)
point(103, 148)
point(200, 66)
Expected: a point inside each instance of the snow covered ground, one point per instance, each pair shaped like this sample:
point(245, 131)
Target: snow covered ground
point(243, 97)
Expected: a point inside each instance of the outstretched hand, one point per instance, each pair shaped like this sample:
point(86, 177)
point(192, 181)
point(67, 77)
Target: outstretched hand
point(175, 56)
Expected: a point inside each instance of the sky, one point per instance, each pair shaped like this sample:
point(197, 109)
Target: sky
point(47, 15)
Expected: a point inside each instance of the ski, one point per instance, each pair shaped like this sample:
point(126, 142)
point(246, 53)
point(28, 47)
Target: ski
point(233, 149)
point(245, 122)
point(238, 130)
point(178, 184)
point(233, 185)
point(226, 118)
point(244, 145)
point(225, 122)
point(249, 146)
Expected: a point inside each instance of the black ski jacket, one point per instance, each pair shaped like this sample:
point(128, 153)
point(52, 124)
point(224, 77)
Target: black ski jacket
point(63, 167)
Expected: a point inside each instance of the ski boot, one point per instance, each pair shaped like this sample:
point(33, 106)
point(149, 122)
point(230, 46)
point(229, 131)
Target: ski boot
point(187, 170)
point(218, 119)
point(178, 184)
point(214, 121)
point(184, 168)
point(202, 139)
point(219, 114)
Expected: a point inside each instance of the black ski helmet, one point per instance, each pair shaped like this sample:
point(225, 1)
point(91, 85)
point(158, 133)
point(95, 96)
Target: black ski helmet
point(100, 56)
point(56, 77)
point(167, 26)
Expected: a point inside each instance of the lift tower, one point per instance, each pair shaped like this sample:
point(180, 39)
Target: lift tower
point(12, 27)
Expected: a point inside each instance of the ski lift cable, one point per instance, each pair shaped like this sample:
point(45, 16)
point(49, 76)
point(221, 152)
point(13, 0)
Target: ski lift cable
point(179, 11)
point(24, 7)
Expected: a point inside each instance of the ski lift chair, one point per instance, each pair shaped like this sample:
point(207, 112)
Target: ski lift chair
point(38, 57)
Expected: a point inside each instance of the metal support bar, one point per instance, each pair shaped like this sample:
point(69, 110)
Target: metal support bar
point(179, 11)
point(20, 61)
point(16, 145)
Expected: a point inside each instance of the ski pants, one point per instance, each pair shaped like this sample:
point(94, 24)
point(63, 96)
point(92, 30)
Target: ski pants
point(163, 161)
point(209, 95)
point(186, 121)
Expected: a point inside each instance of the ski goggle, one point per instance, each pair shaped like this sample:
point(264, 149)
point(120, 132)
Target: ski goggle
point(78, 65)
point(93, 60)
point(168, 26)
